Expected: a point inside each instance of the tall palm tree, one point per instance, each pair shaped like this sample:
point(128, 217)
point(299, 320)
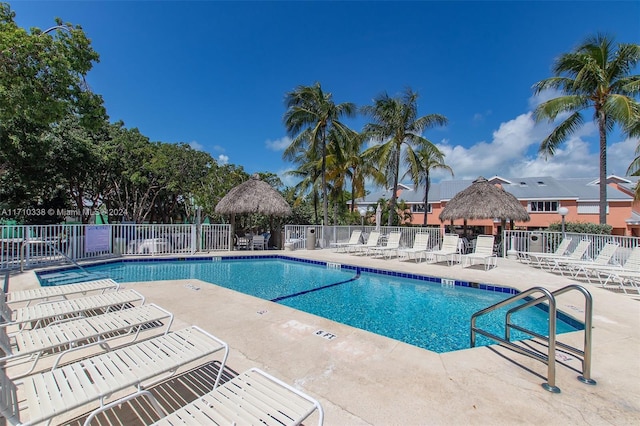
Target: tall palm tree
point(346, 160)
point(634, 170)
point(308, 174)
point(596, 75)
point(395, 126)
point(427, 158)
point(311, 114)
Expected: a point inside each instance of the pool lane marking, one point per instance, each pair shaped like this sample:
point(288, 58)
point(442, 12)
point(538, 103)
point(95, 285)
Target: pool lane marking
point(300, 293)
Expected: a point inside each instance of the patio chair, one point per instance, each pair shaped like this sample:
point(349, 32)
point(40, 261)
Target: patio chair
point(483, 252)
point(251, 398)
point(353, 240)
point(59, 291)
point(258, 242)
point(372, 241)
point(48, 394)
point(575, 267)
point(540, 258)
point(419, 249)
point(554, 263)
point(626, 274)
point(37, 315)
point(389, 249)
point(68, 336)
point(448, 250)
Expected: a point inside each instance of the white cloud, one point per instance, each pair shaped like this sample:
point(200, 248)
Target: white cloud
point(278, 144)
point(619, 156)
point(479, 117)
point(196, 145)
point(223, 159)
point(510, 143)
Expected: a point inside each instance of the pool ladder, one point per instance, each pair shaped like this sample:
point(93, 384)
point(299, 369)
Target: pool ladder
point(550, 358)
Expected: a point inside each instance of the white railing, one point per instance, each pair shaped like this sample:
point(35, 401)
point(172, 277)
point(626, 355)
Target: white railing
point(547, 242)
point(324, 236)
point(40, 245)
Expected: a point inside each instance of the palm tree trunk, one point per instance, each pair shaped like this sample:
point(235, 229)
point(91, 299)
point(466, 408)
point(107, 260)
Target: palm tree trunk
point(602, 120)
point(427, 186)
point(325, 200)
point(392, 204)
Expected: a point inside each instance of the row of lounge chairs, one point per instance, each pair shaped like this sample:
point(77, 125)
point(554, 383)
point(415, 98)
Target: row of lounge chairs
point(32, 328)
point(448, 252)
point(603, 267)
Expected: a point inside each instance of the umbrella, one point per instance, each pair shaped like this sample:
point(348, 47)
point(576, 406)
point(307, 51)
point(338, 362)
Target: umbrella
point(378, 217)
point(483, 200)
point(253, 196)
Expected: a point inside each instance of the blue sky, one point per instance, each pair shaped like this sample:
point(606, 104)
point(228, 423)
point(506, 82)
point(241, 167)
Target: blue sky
point(215, 74)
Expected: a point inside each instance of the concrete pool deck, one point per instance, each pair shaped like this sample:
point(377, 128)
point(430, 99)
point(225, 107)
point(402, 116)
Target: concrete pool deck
point(364, 379)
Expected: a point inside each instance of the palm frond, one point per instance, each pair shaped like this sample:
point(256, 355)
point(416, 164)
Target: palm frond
point(550, 109)
point(560, 133)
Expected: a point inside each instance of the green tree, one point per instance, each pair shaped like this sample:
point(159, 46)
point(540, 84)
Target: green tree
point(77, 164)
point(595, 76)
point(634, 170)
point(42, 82)
point(395, 126)
point(311, 114)
point(426, 158)
point(308, 173)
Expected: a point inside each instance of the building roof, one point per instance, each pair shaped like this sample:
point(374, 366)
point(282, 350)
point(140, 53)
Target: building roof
point(528, 188)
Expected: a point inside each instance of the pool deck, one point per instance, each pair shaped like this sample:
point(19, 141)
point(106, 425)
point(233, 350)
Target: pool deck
point(364, 379)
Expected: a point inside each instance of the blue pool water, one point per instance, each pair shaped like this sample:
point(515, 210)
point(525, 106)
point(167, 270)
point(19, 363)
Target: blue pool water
point(422, 313)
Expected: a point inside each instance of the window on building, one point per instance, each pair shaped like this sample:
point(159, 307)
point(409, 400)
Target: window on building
point(543, 206)
point(419, 208)
point(590, 208)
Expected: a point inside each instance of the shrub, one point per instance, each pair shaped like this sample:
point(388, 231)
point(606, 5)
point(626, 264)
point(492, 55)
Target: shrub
point(582, 228)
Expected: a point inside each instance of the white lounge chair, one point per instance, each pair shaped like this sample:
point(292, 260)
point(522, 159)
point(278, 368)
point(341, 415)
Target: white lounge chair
point(36, 315)
point(540, 258)
point(389, 249)
point(626, 275)
point(251, 398)
point(554, 263)
point(68, 336)
point(372, 241)
point(483, 252)
point(575, 267)
point(419, 249)
point(51, 393)
point(59, 291)
point(448, 250)
point(353, 240)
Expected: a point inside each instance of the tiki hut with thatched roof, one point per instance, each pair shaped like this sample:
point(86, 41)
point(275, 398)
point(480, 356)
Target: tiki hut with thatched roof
point(483, 200)
point(253, 196)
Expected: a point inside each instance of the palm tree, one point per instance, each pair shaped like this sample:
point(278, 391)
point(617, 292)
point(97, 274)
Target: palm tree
point(347, 162)
point(310, 115)
point(396, 125)
point(308, 174)
point(595, 75)
point(427, 157)
point(634, 170)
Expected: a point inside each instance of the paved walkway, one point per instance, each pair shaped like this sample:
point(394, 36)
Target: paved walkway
point(365, 379)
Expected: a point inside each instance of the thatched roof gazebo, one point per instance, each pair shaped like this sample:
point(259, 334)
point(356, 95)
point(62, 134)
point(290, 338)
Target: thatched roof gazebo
point(253, 196)
point(483, 200)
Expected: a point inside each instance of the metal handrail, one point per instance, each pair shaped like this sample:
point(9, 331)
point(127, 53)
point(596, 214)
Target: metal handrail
point(55, 249)
point(551, 354)
point(585, 353)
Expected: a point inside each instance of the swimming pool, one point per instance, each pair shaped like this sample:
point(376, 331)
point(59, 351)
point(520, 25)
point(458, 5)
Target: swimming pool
point(418, 310)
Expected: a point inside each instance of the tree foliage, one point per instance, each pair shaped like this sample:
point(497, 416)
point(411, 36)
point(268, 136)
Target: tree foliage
point(398, 130)
point(596, 76)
